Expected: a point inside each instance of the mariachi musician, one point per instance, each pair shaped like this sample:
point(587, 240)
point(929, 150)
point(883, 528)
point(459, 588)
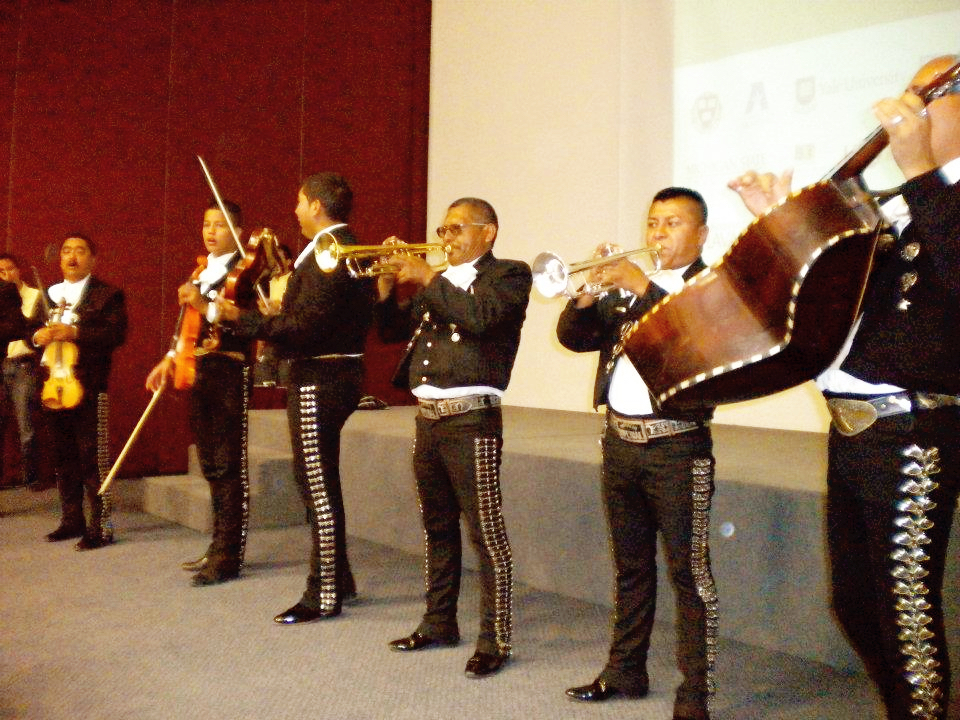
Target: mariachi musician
point(219, 364)
point(321, 329)
point(93, 319)
point(893, 474)
point(657, 469)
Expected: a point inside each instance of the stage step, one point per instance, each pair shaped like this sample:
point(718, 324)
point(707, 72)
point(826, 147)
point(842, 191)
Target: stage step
point(274, 500)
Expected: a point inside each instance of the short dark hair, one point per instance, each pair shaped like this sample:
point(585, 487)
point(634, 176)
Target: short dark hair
point(236, 214)
point(80, 236)
point(332, 191)
point(12, 258)
point(672, 193)
point(482, 207)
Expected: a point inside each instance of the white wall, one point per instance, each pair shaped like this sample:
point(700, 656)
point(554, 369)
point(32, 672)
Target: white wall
point(534, 108)
point(561, 114)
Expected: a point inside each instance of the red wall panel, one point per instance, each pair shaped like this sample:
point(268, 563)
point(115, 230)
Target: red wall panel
point(105, 105)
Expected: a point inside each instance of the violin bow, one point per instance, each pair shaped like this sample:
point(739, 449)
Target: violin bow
point(105, 485)
point(233, 230)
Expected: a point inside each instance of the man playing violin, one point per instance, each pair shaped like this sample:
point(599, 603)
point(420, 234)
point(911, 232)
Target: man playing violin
point(893, 474)
point(219, 398)
point(465, 325)
point(657, 471)
point(94, 319)
point(321, 328)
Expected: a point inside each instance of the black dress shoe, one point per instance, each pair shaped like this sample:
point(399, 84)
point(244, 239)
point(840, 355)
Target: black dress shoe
point(483, 664)
point(598, 691)
point(65, 532)
point(195, 565)
point(212, 577)
point(416, 641)
point(88, 542)
point(350, 598)
point(300, 613)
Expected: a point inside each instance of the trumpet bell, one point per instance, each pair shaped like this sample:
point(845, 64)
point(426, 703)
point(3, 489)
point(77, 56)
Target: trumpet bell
point(550, 275)
point(326, 250)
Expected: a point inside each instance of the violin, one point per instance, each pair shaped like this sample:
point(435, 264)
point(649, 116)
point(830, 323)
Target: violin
point(185, 339)
point(61, 390)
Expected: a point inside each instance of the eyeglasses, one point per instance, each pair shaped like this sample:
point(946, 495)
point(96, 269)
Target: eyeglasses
point(456, 228)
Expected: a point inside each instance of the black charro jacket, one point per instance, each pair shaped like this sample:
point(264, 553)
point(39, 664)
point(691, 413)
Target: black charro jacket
point(460, 337)
point(101, 328)
point(598, 328)
point(911, 338)
point(321, 313)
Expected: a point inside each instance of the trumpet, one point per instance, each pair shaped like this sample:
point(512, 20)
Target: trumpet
point(329, 253)
point(551, 275)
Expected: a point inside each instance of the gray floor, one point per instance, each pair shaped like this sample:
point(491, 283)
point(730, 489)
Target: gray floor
point(119, 633)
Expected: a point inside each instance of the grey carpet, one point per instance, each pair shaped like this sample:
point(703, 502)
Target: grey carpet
point(119, 633)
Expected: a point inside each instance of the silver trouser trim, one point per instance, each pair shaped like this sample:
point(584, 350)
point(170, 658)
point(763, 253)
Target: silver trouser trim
point(426, 537)
point(103, 463)
point(494, 532)
point(909, 588)
point(317, 489)
point(702, 475)
point(244, 470)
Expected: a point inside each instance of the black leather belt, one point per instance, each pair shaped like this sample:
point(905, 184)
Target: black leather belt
point(852, 415)
point(436, 409)
point(642, 430)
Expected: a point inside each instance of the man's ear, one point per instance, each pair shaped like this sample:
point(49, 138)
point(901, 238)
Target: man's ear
point(489, 233)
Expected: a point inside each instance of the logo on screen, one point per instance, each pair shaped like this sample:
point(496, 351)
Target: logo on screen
point(806, 90)
point(706, 111)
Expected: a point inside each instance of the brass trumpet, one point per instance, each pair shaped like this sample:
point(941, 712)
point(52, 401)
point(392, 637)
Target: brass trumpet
point(329, 253)
point(551, 275)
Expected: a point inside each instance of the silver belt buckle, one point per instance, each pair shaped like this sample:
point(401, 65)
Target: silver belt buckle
point(633, 431)
point(851, 417)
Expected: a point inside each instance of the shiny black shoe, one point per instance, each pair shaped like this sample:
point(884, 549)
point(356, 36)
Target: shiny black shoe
point(483, 664)
point(598, 691)
point(416, 641)
point(300, 613)
point(65, 532)
point(212, 577)
point(195, 565)
point(90, 542)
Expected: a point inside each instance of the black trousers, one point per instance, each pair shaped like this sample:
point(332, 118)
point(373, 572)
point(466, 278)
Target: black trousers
point(457, 466)
point(81, 460)
point(664, 486)
point(218, 419)
point(885, 576)
point(321, 395)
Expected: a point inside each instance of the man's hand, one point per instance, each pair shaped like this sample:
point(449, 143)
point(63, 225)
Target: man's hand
point(761, 191)
point(623, 274)
point(908, 127)
point(158, 377)
point(228, 311)
point(413, 269)
point(189, 294)
point(55, 332)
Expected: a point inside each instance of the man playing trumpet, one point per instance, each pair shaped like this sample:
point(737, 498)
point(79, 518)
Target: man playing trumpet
point(657, 471)
point(465, 324)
